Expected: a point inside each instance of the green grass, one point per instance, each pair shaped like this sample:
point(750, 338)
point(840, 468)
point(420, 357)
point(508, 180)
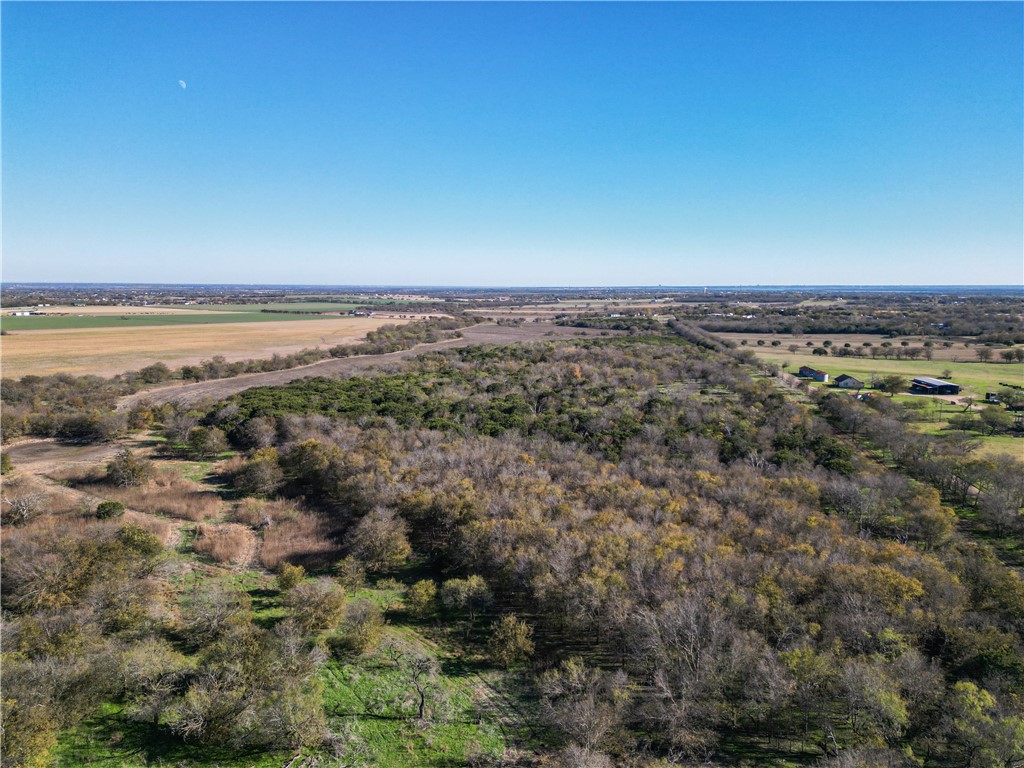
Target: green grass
point(977, 378)
point(111, 740)
point(65, 322)
point(371, 697)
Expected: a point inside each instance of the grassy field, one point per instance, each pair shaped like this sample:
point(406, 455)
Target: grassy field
point(975, 378)
point(106, 351)
point(957, 352)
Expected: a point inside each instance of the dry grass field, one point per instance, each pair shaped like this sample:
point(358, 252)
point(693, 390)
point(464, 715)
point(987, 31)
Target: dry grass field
point(107, 351)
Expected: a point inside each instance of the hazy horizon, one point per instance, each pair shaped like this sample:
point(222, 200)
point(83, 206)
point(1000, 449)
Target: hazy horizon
point(504, 144)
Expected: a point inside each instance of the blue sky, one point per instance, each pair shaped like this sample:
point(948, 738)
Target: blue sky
point(520, 143)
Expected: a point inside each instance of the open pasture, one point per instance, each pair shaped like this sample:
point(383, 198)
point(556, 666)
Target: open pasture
point(975, 378)
point(957, 352)
point(107, 351)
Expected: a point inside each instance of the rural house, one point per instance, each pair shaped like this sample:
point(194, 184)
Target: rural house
point(926, 385)
point(848, 382)
point(812, 373)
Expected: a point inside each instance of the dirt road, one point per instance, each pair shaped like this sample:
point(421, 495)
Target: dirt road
point(218, 389)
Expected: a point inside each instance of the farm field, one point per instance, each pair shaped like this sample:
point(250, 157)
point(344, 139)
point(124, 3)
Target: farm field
point(296, 306)
point(108, 351)
point(68, 322)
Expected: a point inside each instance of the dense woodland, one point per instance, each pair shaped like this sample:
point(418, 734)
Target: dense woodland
point(992, 318)
point(690, 561)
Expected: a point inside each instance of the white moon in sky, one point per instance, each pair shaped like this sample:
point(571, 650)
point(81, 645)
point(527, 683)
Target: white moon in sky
point(182, 84)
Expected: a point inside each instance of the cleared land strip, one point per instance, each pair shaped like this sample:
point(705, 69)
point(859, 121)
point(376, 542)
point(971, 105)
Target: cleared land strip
point(219, 389)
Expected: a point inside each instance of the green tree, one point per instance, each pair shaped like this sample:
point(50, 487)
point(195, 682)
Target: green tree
point(471, 595)
point(511, 641)
point(108, 509)
point(421, 598)
point(893, 384)
point(996, 419)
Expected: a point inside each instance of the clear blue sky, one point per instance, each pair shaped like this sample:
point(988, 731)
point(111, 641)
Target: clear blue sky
point(526, 144)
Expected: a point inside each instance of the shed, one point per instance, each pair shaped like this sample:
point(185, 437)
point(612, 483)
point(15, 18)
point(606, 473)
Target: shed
point(926, 385)
point(846, 381)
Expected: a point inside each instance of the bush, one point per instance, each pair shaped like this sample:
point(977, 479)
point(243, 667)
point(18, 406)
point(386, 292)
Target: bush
point(205, 443)
point(421, 599)
point(108, 509)
point(317, 606)
point(350, 573)
point(362, 630)
point(138, 539)
point(261, 475)
point(128, 471)
point(290, 577)
point(5, 463)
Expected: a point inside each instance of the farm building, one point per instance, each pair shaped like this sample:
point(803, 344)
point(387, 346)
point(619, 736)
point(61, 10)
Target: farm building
point(812, 373)
point(848, 382)
point(926, 385)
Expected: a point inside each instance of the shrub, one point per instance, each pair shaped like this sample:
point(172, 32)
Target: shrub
point(138, 539)
point(5, 463)
point(317, 606)
point(350, 573)
point(261, 475)
point(206, 442)
point(290, 577)
point(421, 599)
point(108, 509)
point(126, 470)
point(362, 629)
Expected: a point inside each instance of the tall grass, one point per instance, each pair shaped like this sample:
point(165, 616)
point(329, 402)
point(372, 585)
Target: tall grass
point(169, 494)
point(229, 543)
point(302, 539)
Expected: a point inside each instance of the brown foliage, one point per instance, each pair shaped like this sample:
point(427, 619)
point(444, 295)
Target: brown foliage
point(228, 543)
point(169, 494)
point(302, 539)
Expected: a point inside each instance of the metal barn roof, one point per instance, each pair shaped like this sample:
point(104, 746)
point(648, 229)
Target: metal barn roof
point(934, 382)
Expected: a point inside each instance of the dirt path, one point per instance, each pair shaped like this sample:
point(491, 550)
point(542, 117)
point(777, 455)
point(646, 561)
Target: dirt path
point(218, 389)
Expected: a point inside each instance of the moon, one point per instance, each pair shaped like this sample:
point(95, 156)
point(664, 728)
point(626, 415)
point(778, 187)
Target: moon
point(182, 84)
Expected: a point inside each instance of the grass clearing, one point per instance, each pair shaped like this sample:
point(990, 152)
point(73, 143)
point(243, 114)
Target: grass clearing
point(374, 700)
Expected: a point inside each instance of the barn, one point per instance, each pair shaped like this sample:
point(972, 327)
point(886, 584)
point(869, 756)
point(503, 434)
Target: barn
point(926, 385)
point(812, 373)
